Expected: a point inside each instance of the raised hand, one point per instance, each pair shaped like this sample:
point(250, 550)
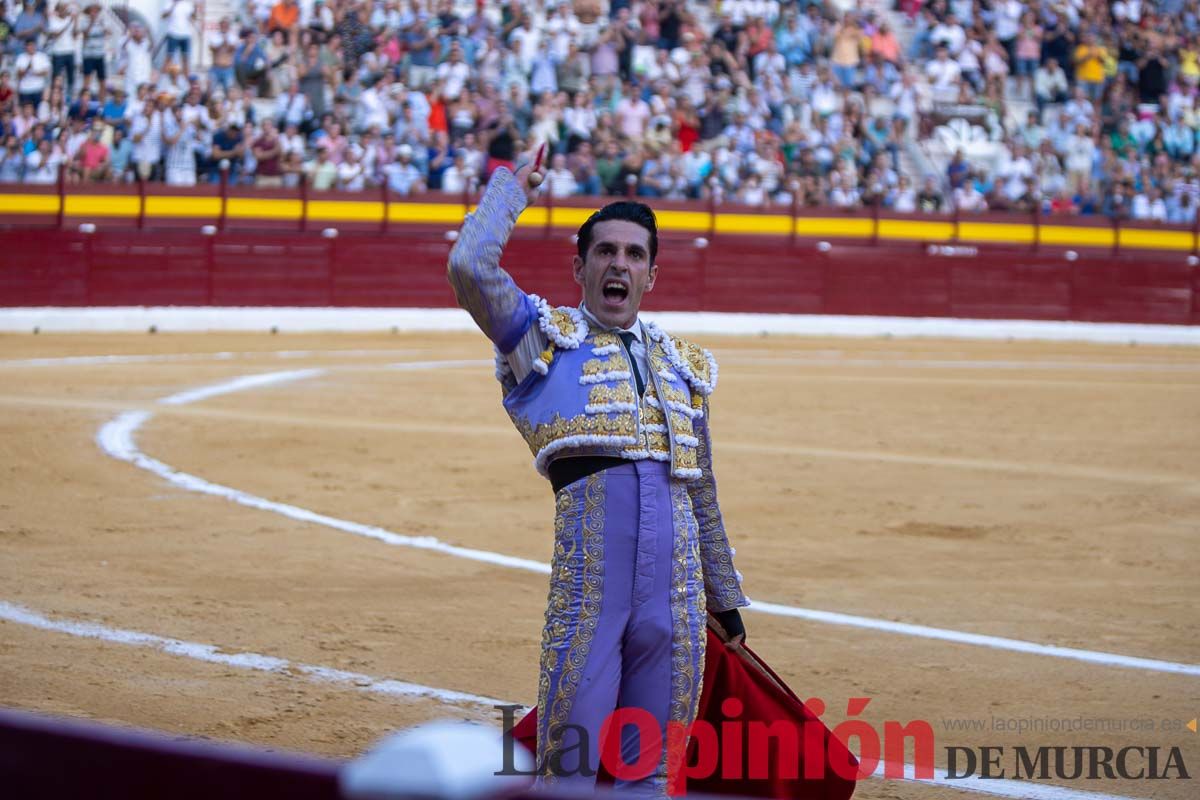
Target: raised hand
point(530, 175)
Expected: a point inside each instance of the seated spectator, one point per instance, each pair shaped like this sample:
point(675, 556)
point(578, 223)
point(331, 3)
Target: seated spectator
point(403, 177)
point(929, 199)
point(92, 160)
point(1050, 84)
point(322, 172)
point(560, 181)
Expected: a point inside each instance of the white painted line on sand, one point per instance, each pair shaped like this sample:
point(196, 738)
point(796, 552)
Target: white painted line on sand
point(258, 662)
point(117, 439)
point(202, 318)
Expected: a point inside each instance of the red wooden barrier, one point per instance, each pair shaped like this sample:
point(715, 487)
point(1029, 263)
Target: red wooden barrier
point(406, 268)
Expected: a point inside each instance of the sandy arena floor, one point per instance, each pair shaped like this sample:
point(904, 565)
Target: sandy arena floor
point(1044, 492)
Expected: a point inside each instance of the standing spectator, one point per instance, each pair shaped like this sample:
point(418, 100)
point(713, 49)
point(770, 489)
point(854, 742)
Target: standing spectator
point(180, 16)
point(632, 114)
point(222, 43)
point(147, 136)
point(95, 34)
point(33, 69)
point(421, 44)
point(30, 24)
point(1152, 75)
point(137, 64)
point(1088, 59)
point(453, 73)
point(292, 109)
point(179, 142)
point(285, 19)
point(250, 61)
point(847, 51)
point(314, 76)
point(1028, 51)
point(1007, 26)
point(944, 74)
point(62, 39)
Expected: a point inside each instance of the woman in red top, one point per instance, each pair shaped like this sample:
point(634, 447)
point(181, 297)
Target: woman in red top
point(437, 109)
point(686, 124)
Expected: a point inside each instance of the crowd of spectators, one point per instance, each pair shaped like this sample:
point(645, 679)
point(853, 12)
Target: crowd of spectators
point(1090, 105)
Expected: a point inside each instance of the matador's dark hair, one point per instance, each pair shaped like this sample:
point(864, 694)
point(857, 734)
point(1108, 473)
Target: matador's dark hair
point(627, 210)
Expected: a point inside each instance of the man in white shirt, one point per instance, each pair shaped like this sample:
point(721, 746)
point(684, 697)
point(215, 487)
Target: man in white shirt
point(949, 33)
point(453, 73)
point(137, 55)
point(33, 70)
point(944, 74)
point(372, 113)
point(180, 16)
point(458, 176)
point(403, 177)
point(560, 181)
point(62, 39)
point(351, 175)
point(41, 165)
point(291, 108)
point(147, 135)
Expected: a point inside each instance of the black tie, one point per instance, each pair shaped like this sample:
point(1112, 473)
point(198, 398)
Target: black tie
point(627, 338)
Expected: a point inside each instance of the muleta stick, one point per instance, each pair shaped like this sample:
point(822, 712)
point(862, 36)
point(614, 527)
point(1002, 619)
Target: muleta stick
point(535, 177)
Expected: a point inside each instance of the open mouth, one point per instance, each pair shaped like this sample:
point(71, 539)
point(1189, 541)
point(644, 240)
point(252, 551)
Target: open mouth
point(615, 291)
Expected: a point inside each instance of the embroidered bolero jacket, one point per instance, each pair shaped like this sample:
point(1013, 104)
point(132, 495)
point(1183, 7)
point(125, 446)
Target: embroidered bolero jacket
point(578, 395)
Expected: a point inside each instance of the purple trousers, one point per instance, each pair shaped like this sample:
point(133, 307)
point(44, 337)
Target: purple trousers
point(625, 623)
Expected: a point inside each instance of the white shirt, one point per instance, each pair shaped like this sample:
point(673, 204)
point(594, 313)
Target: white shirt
point(65, 43)
point(455, 76)
point(637, 349)
point(179, 19)
point(38, 66)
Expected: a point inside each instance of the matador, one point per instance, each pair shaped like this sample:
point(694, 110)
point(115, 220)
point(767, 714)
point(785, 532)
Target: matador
point(615, 412)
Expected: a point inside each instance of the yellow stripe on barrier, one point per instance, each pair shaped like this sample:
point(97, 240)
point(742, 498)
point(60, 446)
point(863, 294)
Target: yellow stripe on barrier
point(776, 224)
point(915, 231)
point(570, 217)
point(683, 220)
point(345, 211)
point(1156, 240)
point(426, 212)
point(164, 206)
point(1064, 235)
point(451, 214)
point(995, 232)
point(532, 216)
point(263, 208)
point(101, 205)
point(833, 226)
point(28, 204)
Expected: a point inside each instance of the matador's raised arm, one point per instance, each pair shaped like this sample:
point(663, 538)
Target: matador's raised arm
point(498, 306)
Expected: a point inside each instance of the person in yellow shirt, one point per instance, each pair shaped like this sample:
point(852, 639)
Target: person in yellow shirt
point(1189, 61)
point(1089, 66)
